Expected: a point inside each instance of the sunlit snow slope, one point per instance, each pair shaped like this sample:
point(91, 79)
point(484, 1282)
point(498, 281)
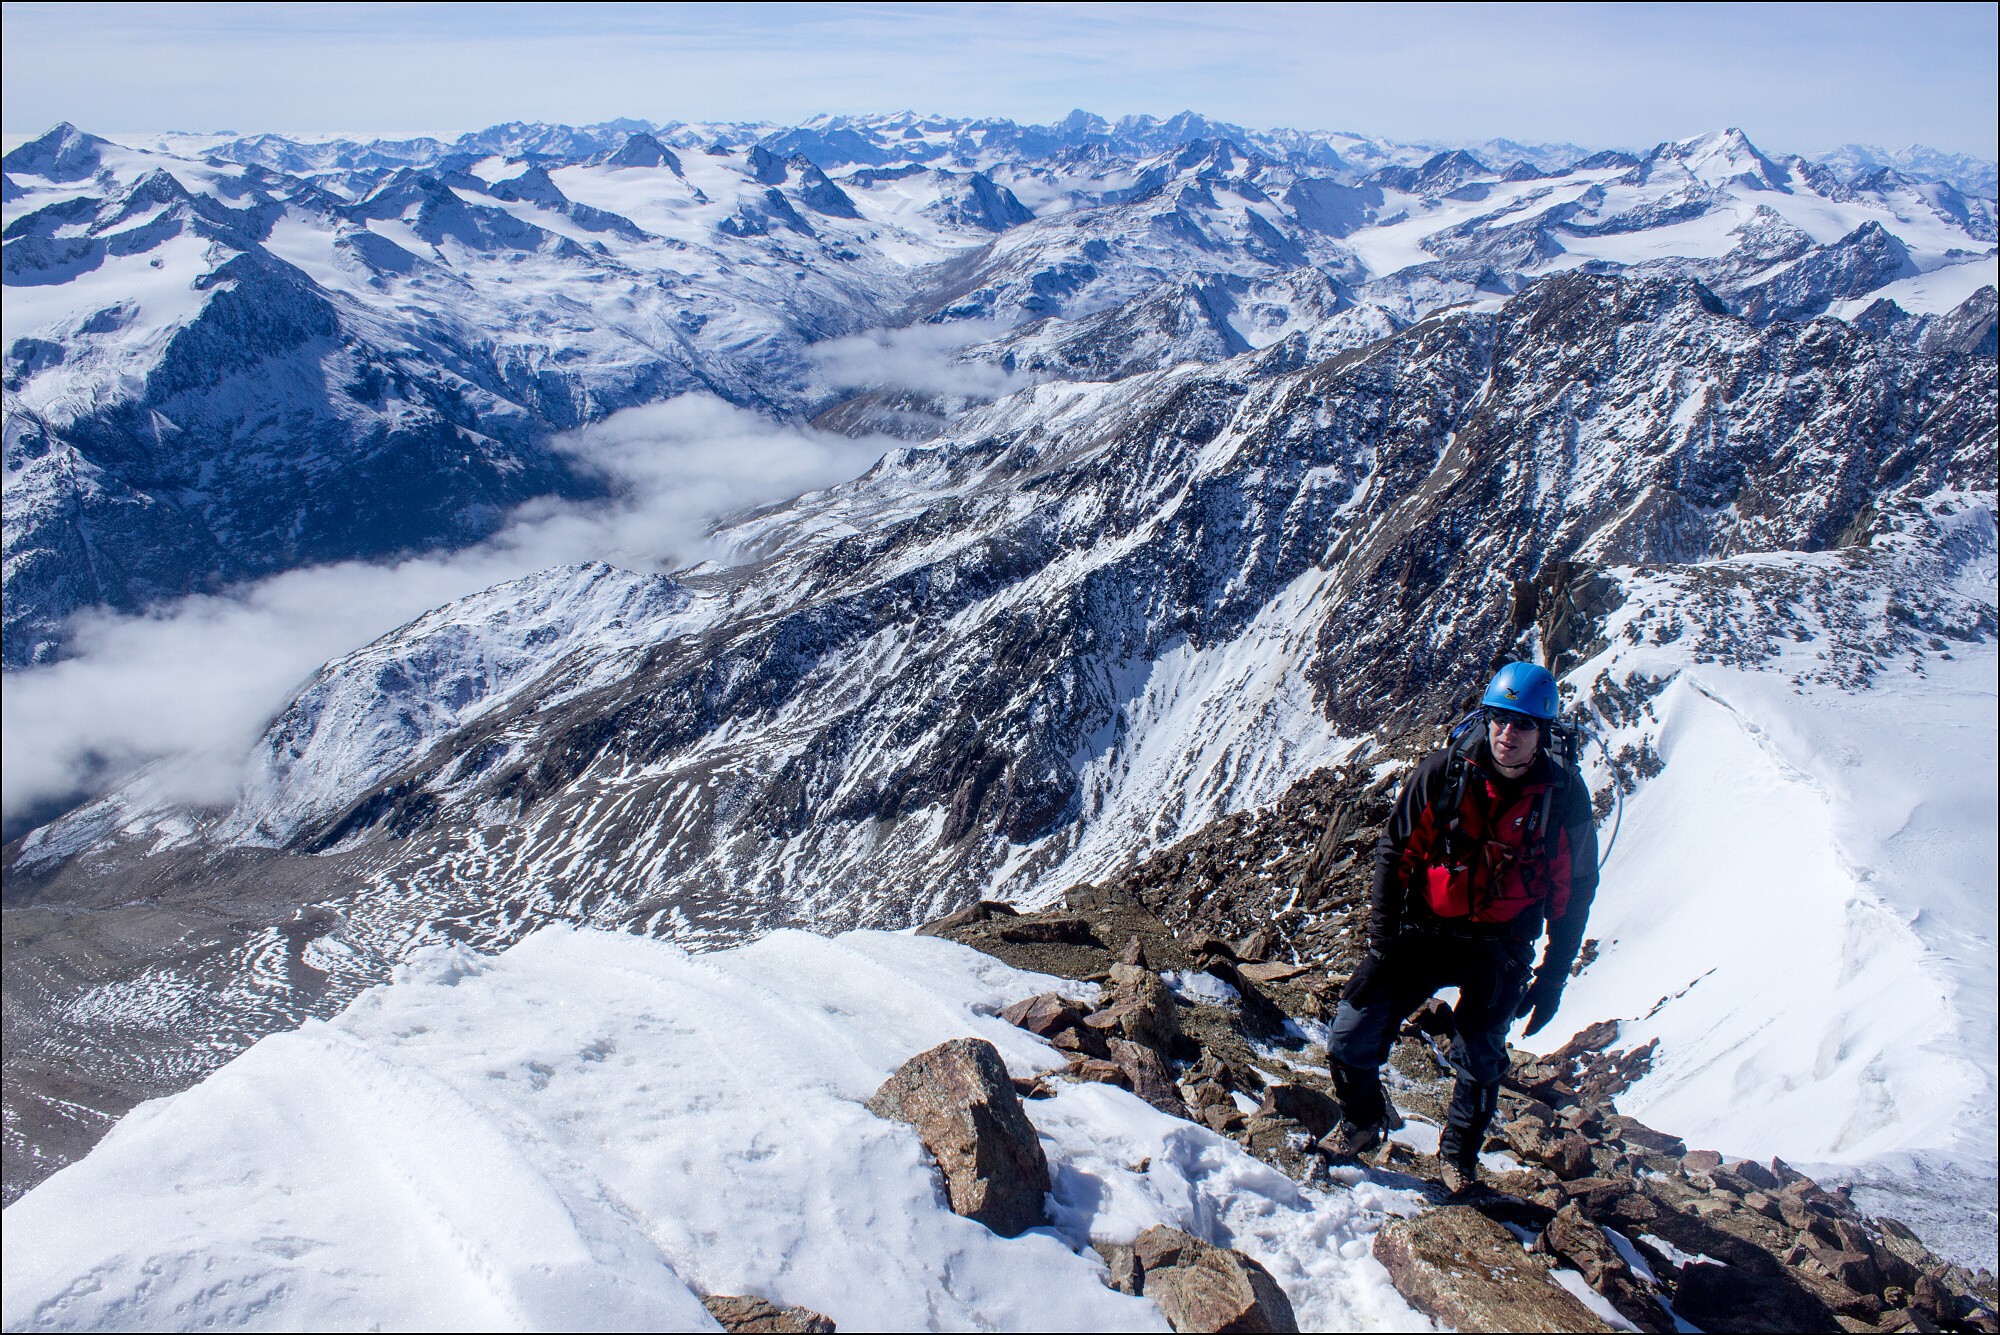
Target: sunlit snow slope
point(1800, 906)
point(590, 1129)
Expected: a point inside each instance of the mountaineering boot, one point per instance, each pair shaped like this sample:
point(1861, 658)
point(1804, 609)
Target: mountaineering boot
point(1458, 1172)
point(1351, 1140)
point(1359, 1089)
point(1466, 1120)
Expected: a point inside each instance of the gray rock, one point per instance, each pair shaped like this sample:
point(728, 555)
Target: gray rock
point(959, 1098)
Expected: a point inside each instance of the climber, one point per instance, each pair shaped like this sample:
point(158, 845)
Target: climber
point(1491, 839)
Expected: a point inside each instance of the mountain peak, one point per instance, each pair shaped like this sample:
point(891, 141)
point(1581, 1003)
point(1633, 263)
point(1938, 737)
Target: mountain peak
point(65, 153)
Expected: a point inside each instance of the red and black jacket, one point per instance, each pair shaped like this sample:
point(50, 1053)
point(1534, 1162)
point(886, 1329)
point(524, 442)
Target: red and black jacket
point(1496, 864)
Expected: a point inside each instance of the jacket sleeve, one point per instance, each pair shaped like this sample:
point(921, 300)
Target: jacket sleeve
point(1387, 897)
point(1580, 830)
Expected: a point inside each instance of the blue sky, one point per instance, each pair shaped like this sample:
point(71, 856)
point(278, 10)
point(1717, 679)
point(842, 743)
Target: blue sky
point(1797, 77)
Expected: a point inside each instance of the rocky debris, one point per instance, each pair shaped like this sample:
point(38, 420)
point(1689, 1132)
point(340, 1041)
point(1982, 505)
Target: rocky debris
point(1465, 1271)
point(759, 1316)
point(1198, 1286)
point(1575, 1242)
point(1049, 931)
point(962, 1103)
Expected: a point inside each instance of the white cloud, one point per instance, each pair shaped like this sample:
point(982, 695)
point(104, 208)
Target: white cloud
point(918, 358)
point(192, 685)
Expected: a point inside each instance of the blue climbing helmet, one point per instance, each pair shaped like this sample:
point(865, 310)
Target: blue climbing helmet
point(1524, 688)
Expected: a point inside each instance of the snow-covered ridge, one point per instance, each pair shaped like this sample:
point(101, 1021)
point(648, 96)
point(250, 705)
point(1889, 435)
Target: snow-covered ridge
point(1799, 907)
point(588, 1130)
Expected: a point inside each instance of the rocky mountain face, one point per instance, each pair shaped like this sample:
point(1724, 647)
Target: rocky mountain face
point(227, 359)
point(1086, 623)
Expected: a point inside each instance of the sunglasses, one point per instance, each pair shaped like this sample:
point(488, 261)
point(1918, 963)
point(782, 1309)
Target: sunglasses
point(1507, 718)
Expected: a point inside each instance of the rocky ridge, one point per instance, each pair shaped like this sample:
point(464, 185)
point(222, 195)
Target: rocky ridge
point(1655, 1230)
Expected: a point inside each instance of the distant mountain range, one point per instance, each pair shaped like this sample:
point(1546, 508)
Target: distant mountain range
point(218, 352)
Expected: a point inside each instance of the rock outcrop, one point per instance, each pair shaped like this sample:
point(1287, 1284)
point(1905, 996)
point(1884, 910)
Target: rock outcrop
point(959, 1098)
point(1199, 1286)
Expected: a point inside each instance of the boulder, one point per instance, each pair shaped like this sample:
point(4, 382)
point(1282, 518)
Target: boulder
point(1098, 1070)
point(1148, 1076)
point(971, 914)
point(1463, 1270)
point(1637, 1134)
point(1701, 1161)
point(1271, 973)
point(1140, 1007)
point(959, 1098)
point(1570, 1157)
point(1201, 1287)
point(759, 1316)
point(1256, 946)
point(1722, 1297)
point(1043, 1015)
point(1303, 1104)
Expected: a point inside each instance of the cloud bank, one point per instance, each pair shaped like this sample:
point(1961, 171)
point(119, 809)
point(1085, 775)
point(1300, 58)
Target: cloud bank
point(188, 688)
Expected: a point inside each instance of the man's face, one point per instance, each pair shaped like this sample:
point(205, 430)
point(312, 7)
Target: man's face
point(1513, 738)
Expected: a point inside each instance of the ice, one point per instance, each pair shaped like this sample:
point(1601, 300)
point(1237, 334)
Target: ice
point(589, 1129)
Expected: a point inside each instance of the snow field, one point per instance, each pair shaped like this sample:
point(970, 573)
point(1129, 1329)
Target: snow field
point(1800, 909)
point(586, 1131)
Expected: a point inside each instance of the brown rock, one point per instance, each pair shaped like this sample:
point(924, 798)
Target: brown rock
point(1149, 1076)
point(1256, 946)
point(1200, 1287)
point(1701, 1161)
point(1033, 1087)
point(1587, 1249)
point(1141, 1007)
point(971, 914)
point(1721, 1297)
point(759, 1316)
point(1570, 1157)
point(1303, 1104)
point(1134, 954)
point(1083, 1041)
point(1461, 1269)
point(1043, 1015)
point(1637, 1134)
point(1856, 1270)
point(1098, 1070)
point(1224, 1119)
point(1272, 973)
point(1119, 1259)
point(1757, 1175)
point(959, 1098)
point(1529, 1138)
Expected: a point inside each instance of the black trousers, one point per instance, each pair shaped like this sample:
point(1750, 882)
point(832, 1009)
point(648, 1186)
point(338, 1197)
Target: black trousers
point(1490, 972)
